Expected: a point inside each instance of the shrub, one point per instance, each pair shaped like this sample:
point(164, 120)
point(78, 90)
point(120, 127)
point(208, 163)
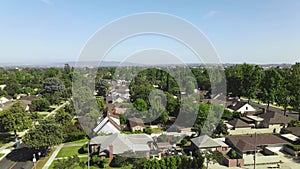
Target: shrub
point(83, 149)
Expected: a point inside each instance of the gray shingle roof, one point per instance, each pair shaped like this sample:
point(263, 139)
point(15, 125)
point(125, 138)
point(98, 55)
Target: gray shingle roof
point(123, 142)
point(204, 141)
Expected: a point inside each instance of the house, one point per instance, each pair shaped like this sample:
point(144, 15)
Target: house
point(205, 142)
point(136, 124)
point(237, 124)
point(224, 148)
point(122, 144)
point(4, 100)
point(274, 120)
point(291, 134)
point(2, 86)
point(164, 146)
point(108, 125)
point(240, 106)
point(265, 146)
point(255, 119)
point(291, 130)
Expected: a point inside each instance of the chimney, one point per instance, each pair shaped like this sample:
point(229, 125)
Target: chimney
point(111, 155)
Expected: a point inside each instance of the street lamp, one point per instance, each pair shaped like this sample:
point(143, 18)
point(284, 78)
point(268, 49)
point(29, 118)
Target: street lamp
point(88, 147)
point(34, 161)
point(39, 153)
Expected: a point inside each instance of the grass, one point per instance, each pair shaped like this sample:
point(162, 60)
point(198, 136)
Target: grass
point(40, 164)
point(78, 141)
point(1, 155)
point(68, 151)
point(84, 159)
point(157, 130)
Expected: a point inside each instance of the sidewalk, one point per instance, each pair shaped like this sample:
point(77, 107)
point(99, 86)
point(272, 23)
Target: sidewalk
point(52, 158)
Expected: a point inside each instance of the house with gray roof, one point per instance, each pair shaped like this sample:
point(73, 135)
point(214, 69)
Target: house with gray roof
point(122, 144)
point(205, 142)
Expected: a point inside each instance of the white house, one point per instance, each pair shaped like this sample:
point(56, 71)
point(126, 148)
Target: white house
point(2, 86)
point(3, 100)
point(108, 125)
point(241, 107)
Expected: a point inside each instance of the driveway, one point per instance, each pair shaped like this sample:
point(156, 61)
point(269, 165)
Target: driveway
point(19, 158)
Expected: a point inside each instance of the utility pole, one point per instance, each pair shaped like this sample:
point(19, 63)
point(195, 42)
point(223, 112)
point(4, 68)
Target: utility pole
point(254, 158)
point(88, 144)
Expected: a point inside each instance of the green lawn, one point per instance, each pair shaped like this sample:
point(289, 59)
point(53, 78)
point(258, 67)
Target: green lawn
point(79, 141)
point(68, 151)
point(157, 130)
point(40, 164)
point(75, 167)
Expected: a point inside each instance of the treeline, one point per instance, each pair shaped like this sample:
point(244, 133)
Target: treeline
point(272, 85)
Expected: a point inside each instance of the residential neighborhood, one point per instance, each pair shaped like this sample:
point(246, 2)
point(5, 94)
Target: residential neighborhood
point(154, 84)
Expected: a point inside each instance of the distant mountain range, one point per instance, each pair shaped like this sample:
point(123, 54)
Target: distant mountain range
point(116, 64)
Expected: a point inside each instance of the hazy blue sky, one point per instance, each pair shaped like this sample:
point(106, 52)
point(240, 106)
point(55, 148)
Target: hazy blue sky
point(254, 31)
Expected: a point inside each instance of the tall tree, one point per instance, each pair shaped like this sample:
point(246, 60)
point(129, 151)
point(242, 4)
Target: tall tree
point(295, 87)
point(252, 76)
point(270, 86)
point(102, 87)
point(15, 118)
point(283, 94)
point(53, 85)
point(44, 136)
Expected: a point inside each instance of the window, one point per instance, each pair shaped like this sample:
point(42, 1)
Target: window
point(246, 107)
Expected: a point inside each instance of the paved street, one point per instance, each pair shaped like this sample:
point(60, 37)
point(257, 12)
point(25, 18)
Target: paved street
point(21, 158)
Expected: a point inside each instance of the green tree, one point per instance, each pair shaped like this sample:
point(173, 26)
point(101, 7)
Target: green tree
point(252, 76)
point(295, 87)
point(63, 117)
point(44, 136)
point(140, 104)
point(15, 118)
point(221, 129)
point(294, 123)
point(270, 86)
point(102, 87)
point(40, 104)
point(53, 85)
point(283, 95)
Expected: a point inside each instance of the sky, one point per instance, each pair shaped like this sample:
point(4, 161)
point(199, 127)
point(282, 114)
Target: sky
point(54, 31)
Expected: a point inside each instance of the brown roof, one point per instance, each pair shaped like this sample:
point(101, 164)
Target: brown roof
point(9, 97)
point(246, 142)
point(293, 130)
point(114, 123)
point(133, 122)
point(237, 106)
point(238, 123)
point(275, 118)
